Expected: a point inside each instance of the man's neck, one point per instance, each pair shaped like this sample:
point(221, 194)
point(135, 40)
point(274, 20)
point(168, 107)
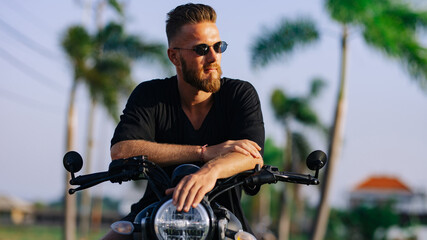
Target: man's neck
point(192, 98)
point(195, 103)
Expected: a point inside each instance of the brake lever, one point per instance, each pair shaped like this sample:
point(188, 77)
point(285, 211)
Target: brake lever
point(263, 176)
point(297, 178)
point(88, 185)
point(103, 177)
point(83, 179)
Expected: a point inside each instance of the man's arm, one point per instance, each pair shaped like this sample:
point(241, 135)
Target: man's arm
point(192, 188)
point(170, 154)
point(160, 153)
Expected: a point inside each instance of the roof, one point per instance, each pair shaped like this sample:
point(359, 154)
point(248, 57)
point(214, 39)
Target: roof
point(9, 202)
point(382, 183)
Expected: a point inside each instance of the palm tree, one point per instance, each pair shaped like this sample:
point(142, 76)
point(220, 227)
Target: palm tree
point(262, 217)
point(105, 69)
point(86, 201)
point(291, 110)
point(110, 77)
point(271, 45)
point(77, 45)
point(389, 26)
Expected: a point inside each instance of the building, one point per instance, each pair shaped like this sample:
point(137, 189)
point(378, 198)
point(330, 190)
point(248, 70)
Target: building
point(15, 210)
point(378, 190)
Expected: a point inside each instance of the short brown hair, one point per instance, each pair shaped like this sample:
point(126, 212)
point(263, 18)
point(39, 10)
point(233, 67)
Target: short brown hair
point(188, 14)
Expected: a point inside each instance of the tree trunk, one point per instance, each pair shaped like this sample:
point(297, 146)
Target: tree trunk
point(97, 214)
point(299, 205)
point(264, 197)
point(86, 199)
point(70, 200)
point(261, 217)
point(322, 216)
point(286, 196)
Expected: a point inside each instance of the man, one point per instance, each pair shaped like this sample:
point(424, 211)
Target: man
point(194, 117)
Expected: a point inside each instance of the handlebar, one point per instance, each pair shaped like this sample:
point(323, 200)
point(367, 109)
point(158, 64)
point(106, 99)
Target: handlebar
point(297, 178)
point(257, 177)
point(270, 174)
point(136, 168)
point(81, 180)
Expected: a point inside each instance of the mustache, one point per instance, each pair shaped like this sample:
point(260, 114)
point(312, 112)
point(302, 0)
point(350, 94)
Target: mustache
point(213, 65)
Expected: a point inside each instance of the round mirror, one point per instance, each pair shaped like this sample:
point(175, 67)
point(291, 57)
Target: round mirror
point(316, 160)
point(73, 162)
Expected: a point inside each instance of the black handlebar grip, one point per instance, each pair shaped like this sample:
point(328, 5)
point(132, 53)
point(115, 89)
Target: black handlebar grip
point(84, 179)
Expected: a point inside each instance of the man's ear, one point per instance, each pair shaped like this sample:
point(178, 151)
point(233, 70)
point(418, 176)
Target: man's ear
point(173, 57)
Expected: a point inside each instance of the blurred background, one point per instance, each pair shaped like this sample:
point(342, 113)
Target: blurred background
point(346, 77)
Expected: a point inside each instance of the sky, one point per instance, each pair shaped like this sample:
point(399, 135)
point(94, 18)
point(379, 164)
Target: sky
point(385, 128)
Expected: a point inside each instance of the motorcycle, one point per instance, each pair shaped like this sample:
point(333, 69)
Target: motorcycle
point(209, 220)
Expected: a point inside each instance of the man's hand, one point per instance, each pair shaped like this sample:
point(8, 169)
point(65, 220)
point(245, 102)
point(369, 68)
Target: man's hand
point(192, 188)
point(222, 160)
point(246, 147)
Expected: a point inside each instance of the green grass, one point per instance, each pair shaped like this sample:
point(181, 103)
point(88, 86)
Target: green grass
point(12, 232)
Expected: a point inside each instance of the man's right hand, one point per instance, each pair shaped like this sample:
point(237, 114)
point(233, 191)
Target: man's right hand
point(245, 146)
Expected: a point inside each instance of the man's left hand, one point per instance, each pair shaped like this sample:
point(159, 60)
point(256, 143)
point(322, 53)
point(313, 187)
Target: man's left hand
point(191, 189)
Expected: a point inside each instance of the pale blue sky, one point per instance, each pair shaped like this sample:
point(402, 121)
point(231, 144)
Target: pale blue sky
point(385, 128)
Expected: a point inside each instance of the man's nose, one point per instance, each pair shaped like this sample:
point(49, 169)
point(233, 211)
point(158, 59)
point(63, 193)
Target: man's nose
point(212, 56)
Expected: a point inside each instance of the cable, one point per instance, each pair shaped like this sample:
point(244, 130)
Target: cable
point(28, 42)
point(41, 78)
point(31, 103)
point(25, 13)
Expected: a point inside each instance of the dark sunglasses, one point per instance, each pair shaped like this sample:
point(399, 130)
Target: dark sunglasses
point(203, 49)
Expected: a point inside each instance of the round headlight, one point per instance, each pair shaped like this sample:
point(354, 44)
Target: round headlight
point(171, 224)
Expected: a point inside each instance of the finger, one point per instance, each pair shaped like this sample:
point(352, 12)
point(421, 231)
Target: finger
point(252, 143)
point(251, 148)
point(190, 197)
point(255, 145)
point(169, 191)
point(257, 148)
point(241, 150)
point(176, 193)
point(199, 196)
point(183, 193)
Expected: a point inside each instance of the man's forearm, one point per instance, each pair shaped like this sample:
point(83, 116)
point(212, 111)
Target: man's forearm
point(169, 154)
point(232, 164)
point(192, 188)
point(159, 153)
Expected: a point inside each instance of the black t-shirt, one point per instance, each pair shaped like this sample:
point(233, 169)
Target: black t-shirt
point(154, 113)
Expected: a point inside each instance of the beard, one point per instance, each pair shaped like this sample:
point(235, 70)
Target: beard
point(193, 77)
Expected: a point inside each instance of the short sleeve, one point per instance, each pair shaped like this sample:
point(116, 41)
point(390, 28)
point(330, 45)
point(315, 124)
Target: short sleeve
point(247, 121)
point(138, 118)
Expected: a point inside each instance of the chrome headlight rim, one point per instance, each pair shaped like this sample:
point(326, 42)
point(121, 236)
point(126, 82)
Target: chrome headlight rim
point(168, 200)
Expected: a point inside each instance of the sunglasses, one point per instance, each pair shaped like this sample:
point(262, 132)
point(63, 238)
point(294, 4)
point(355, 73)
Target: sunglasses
point(203, 49)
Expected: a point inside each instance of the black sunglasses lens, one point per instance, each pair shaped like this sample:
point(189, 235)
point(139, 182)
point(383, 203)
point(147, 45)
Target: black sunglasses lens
point(220, 47)
point(201, 49)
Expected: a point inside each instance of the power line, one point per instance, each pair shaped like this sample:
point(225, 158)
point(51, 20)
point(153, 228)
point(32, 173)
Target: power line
point(22, 11)
point(28, 102)
point(33, 45)
point(41, 78)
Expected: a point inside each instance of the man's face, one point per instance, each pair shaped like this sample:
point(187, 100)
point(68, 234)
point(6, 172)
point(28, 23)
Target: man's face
point(201, 72)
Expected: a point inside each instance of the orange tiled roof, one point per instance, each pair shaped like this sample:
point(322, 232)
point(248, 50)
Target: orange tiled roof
point(382, 183)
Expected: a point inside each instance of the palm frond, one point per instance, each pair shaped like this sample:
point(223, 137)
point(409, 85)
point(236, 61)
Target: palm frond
point(389, 26)
point(300, 147)
point(78, 46)
point(116, 6)
point(316, 87)
point(279, 104)
point(113, 39)
point(273, 154)
point(272, 44)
